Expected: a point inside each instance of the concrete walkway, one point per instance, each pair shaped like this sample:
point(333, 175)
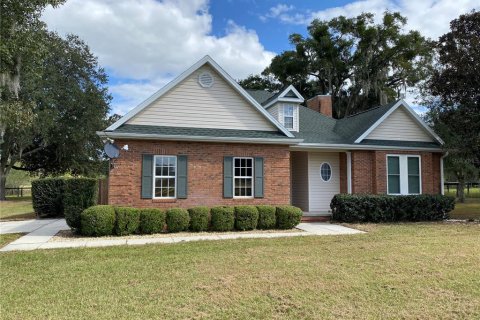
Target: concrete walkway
point(43, 230)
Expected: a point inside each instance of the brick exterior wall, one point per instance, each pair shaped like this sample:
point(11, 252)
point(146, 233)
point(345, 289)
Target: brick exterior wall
point(205, 173)
point(369, 171)
point(343, 172)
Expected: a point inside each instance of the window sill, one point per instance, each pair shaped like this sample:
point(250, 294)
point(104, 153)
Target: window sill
point(166, 200)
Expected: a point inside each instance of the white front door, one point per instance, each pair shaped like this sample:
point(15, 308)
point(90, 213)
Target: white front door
point(323, 179)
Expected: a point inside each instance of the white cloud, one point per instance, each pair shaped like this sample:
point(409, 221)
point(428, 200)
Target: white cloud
point(430, 17)
point(151, 41)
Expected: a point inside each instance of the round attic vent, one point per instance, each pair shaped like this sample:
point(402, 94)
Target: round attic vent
point(205, 79)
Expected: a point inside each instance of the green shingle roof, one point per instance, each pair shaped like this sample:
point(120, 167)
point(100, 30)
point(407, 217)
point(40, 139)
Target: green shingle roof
point(198, 132)
point(314, 127)
point(261, 96)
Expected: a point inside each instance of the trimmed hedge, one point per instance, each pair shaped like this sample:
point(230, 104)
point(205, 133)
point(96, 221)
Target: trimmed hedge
point(177, 220)
point(80, 193)
point(199, 217)
point(288, 217)
point(223, 218)
point(151, 221)
point(246, 217)
point(127, 221)
point(385, 208)
point(97, 221)
point(266, 217)
point(47, 196)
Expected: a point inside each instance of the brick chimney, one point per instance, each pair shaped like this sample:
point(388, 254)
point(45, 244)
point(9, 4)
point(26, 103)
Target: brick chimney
point(322, 104)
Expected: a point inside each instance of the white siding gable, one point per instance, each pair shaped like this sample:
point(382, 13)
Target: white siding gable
point(400, 126)
point(277, 112)
point(190, 105)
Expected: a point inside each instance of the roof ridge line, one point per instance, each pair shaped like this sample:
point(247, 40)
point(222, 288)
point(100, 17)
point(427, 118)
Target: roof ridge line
point(364, 111)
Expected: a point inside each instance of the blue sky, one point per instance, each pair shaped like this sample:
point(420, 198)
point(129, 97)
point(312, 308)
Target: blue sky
point(144, 44)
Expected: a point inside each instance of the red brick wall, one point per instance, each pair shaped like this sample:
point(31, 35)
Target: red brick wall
point(369, 171)
point(362, 168)
point(205, 173)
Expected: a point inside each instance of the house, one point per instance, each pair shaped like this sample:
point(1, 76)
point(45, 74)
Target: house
point(204, 140)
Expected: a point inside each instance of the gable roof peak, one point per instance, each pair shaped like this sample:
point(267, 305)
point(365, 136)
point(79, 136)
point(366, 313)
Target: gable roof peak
point(216, 67)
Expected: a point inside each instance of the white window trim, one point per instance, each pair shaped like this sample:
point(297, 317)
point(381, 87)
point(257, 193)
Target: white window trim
point(331, 172)
point(285, 106)
point(155, 176)
point(251, 177)
point(403, 163)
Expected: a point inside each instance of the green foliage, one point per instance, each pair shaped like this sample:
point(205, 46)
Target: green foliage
point(18, 178)
point(97, 221)
point(177, 220)
point(47, 196)
point(53, 96)
point(80, 193)
point(222, 218)
point(151, 220)
point(266, 217)
point(246, 217)
point(260, 82)
point(384, 208)
point(127, 221)
point(288, 217)
point(376, 60)
point(199, 218)
point(452, 95)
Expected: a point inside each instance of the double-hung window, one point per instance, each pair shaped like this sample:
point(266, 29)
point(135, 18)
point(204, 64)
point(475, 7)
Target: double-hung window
point(288, 114)
point(243, 177)
point(165, 176)
point(403, 174)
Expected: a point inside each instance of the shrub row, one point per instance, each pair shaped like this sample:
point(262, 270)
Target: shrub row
point(64, 197)
point(384, 208)
point(104, 220)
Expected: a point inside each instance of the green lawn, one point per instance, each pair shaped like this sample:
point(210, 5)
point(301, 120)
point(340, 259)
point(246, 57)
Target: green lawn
point(7, 238)
point(17, 208)
point(474, 192)
point(468, 210)
point(409, 271)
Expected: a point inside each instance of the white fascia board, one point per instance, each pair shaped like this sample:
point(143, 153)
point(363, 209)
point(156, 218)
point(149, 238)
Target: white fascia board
point(291, 88)
point(139, 136)
point(332, 146)
point(185, 74)
point(404, 104)
point(273, 102)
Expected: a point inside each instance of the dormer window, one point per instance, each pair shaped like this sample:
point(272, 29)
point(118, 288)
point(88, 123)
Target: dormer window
point(288, 116)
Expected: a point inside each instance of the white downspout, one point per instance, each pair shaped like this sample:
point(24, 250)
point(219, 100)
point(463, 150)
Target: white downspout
point(442, 183)
point(349, 172)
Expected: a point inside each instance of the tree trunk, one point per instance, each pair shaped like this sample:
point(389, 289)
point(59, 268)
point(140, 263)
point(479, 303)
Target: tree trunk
point(3, 182)
point(461, 190)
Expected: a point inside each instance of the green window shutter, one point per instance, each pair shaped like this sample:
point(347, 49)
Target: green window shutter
point(147, 176)
point(228, 177)
point(182, 180)
point(258, 171)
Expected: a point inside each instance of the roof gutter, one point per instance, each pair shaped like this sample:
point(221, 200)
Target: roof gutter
point(140, 136)
point(324, 146)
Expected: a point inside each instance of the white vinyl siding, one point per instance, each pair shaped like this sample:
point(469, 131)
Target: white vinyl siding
point(277, 111)
point(299, 171)
point(321, 192)
point(190, 105)
point(400, 126)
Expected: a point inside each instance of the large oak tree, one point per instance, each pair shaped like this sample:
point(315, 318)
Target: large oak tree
point(53, 97)
point(361, 63)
